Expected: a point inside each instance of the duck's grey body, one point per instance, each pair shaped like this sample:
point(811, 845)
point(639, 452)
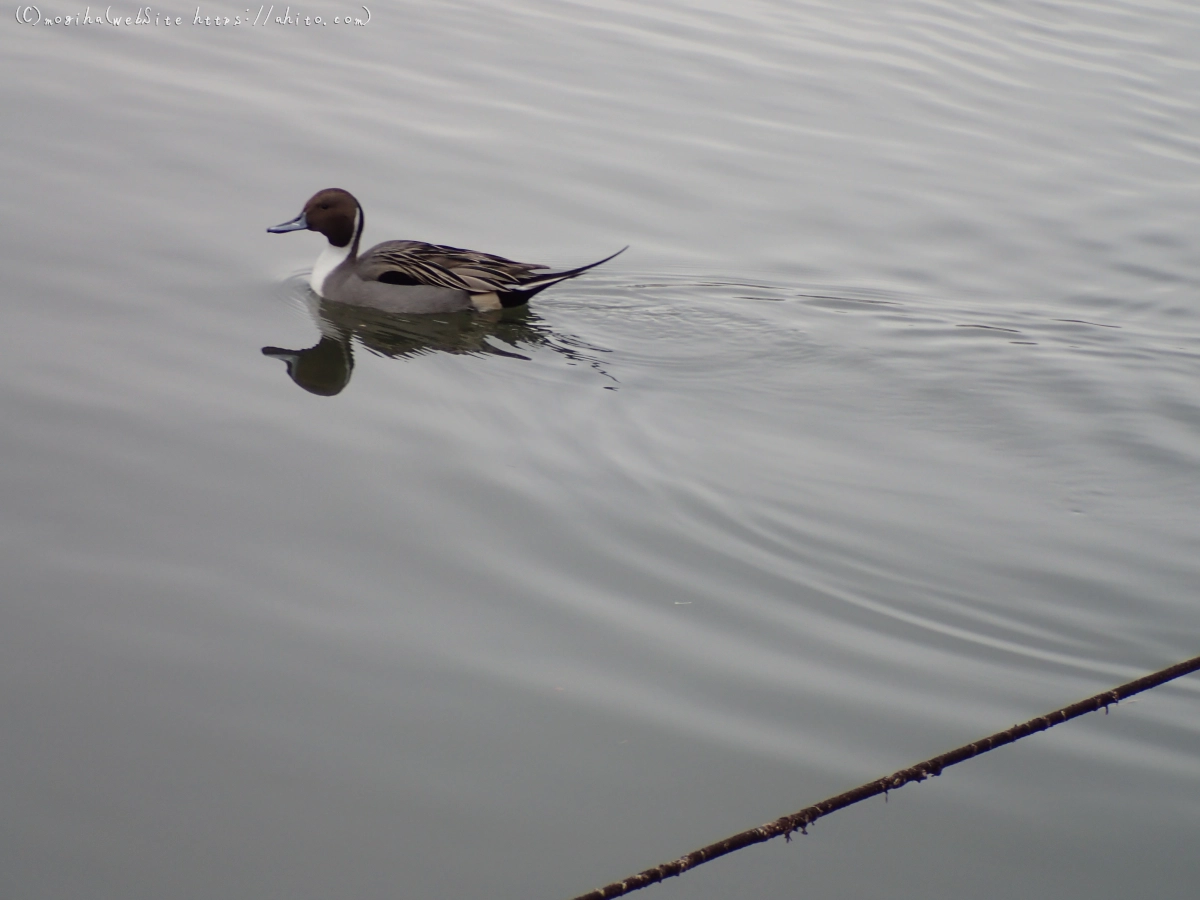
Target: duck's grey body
point(347, 287)
point(411, 276)
point(351, 282)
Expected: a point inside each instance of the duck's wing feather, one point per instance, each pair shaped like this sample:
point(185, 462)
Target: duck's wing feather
point(415, 262)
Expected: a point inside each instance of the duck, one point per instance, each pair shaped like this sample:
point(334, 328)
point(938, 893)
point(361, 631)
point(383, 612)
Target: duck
point(412, 276)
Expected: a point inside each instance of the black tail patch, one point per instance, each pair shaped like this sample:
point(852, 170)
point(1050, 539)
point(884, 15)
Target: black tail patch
point(520, 296)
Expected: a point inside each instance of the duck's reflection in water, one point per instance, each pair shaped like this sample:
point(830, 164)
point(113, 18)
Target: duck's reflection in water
point(326, 367)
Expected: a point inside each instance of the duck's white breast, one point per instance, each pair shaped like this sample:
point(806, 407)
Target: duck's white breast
point(331, 257)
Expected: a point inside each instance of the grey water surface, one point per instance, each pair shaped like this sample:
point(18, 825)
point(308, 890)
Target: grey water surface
point(884, 435)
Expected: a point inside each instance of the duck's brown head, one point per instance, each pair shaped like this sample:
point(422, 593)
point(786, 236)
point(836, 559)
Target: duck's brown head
point(332, 212)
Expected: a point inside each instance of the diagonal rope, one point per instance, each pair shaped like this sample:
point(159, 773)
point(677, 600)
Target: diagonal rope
point(799, 821)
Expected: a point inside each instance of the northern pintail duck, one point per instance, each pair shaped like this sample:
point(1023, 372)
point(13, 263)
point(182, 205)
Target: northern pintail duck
point(411, 276)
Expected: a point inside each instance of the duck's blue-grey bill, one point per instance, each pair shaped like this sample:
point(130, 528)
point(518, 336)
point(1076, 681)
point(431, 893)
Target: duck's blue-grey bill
point(288, 356)
point(297, 224)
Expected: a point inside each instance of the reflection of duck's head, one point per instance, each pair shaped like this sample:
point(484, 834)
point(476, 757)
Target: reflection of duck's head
point(323, 369)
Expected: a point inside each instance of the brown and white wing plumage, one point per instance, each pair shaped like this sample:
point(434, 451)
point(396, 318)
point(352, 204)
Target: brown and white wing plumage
point(415, 262)
point(418, 263)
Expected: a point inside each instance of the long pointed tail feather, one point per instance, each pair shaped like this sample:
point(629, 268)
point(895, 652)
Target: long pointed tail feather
point(521, 295)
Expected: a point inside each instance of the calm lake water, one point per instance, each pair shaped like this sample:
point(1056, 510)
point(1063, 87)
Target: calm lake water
point(883, 435)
